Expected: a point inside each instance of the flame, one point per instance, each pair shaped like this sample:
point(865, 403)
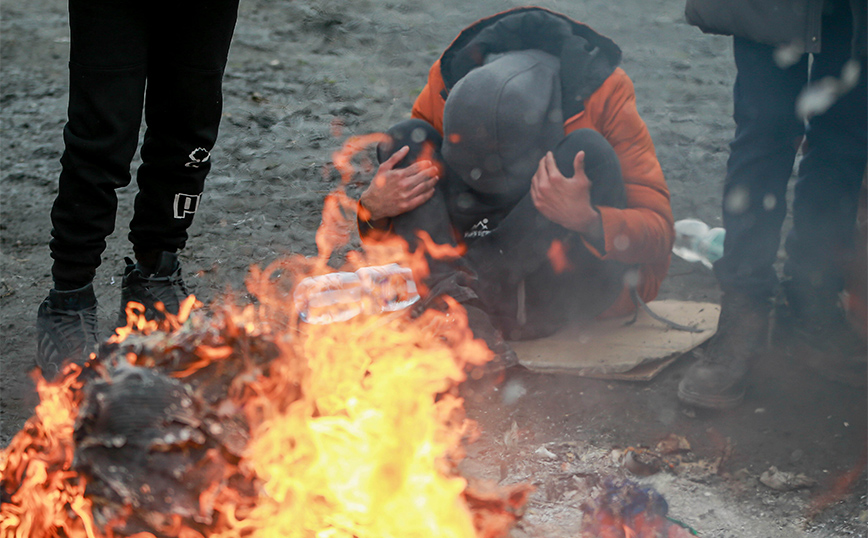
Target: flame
point(137, 322)
point(627, 510)
point(639, 526)
point(367, 452)
point(337, 226)
point(369, 449)
point(355, 429)
point(338, 222)
point(343, 158)
point(557, 255)
point(839, 489)
point(35, 468)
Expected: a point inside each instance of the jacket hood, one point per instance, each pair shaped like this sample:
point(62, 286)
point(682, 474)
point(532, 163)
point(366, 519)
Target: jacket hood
point(587, 57)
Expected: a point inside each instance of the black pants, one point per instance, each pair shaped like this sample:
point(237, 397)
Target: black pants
point(767, 137)
point(509, 242)
point(125, 55)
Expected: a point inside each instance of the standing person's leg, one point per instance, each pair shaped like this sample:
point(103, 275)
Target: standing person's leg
point(188, 49)
point(762, 154)
point(760, 164)
point(821, 242)
point(107, 72)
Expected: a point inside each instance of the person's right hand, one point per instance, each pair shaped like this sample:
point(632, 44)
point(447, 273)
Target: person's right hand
point(394, 191)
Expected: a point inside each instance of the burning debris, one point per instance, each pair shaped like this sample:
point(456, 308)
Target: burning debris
point(244, 421)
point(626, 510)
point(157, 450)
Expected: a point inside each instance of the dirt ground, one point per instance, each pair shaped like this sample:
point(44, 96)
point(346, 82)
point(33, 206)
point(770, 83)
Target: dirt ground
point(297, 66)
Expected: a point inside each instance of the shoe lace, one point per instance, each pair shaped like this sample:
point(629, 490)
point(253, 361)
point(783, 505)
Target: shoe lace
point(169, 290)
point(177, 283)
point(70, 323)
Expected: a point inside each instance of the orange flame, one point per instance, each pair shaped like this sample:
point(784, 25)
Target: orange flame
point(557, 255)
point(35, 468)
point(369, 450)
point(355, 428)
point(841, 487)
point(343, 158)
point(337, 224)
point(604, 522)
point(338, 220)
point(366, 452)
point(137, 322)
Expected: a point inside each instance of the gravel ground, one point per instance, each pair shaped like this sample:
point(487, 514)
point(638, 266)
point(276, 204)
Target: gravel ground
point(297, 67)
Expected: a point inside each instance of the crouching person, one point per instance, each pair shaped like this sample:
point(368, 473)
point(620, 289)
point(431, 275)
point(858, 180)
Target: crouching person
point(526, 146)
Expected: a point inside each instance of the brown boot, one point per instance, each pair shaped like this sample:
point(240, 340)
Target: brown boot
point(718, 379)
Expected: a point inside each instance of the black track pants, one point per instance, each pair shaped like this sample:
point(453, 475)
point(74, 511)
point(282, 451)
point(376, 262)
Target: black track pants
point(166, 58)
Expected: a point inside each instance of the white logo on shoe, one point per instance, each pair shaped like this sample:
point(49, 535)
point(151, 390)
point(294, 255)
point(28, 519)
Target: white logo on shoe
point(198, 157)
point(186, 204)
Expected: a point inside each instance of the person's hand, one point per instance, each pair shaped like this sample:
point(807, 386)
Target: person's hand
point(566, 200)
point(394, 191)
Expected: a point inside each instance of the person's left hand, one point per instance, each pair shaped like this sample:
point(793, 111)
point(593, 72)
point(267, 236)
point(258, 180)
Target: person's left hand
point(566, 200)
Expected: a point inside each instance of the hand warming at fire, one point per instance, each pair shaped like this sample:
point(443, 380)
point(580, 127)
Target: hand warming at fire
point(566, 200)
point(394, 191)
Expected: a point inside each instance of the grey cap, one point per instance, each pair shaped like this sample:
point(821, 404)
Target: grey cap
point(501, 118)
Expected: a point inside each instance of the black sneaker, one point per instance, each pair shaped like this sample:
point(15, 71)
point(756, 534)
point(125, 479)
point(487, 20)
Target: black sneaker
point(719, 378)
point(163, 285)
point(67, 329)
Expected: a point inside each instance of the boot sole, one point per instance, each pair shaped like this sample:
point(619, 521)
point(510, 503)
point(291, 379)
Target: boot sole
point(710, 402)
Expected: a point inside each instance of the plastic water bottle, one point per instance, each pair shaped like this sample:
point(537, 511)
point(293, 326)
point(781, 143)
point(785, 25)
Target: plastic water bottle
point(329, 298)
point(696, 242)
point(337, 297)
point(388, 288)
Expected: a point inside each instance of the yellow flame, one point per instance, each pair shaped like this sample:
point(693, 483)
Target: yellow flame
point(355, 428)
point(367, 452)
point(35, 468)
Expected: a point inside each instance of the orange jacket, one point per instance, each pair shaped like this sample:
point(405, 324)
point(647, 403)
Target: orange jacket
point(642, 233)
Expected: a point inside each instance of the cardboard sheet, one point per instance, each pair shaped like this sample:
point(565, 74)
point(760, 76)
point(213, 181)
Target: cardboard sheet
point(611, 349)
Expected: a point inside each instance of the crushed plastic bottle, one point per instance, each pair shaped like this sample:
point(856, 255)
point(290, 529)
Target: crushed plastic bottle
point(329, 298)
point(388, 287)
point(696, 242)
point(336, 297)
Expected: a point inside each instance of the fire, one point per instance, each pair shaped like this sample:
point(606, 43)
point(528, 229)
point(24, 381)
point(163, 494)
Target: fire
point(557, 255)
point(350, 429)
point(625, 509)
point(249, 423)
point(366, 443)
point(369, 450)
point(40, 490)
